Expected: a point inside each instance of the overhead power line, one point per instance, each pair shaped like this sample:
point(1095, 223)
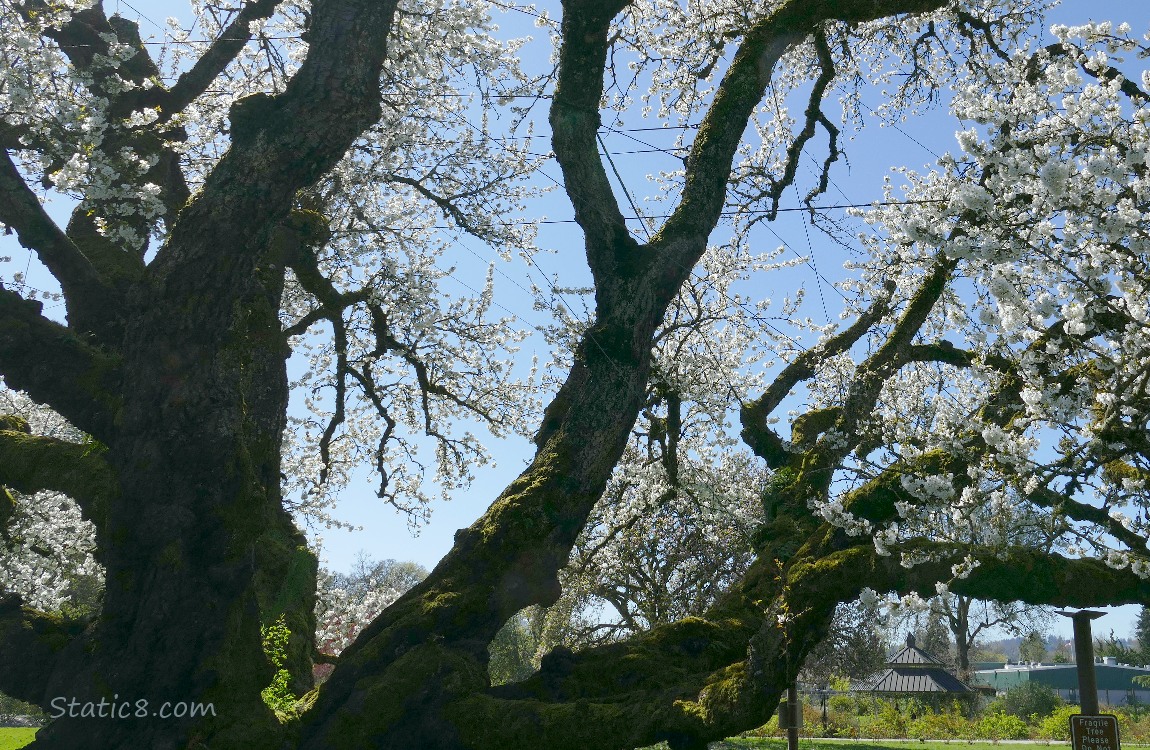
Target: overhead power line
point(724, 214)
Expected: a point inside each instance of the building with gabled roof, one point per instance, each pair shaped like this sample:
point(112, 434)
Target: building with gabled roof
point(913, 670)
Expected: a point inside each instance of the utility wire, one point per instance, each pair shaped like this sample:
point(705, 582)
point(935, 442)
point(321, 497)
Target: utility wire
point(754, 316)
point(732, 392)
point(520, 9)
point(724, 214)
point(623, 186)
point(894, 125)
point(530, 260)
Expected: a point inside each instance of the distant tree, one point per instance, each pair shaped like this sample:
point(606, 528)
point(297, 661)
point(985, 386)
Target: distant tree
point(514, 650)
point(1063, 652)
point(969, 618)
point(854, 647)
point(987, 653)
point(346, 602)
point(11, 707)
point(1033, 647)
point(674, 529)
point(1142, 635)
point(1112, 645)
point(367, 575)
point(933, 636)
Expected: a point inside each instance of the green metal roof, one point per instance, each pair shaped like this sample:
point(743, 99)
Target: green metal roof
point(913, 670)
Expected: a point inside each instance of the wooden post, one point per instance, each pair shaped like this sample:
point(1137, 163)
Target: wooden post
point(1084, 659)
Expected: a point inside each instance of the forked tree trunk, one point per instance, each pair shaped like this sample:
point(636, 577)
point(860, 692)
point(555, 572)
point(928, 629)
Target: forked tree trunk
point(200, 552)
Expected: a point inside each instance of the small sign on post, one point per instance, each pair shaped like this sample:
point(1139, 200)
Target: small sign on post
point(1099, 732)
point(790, 715)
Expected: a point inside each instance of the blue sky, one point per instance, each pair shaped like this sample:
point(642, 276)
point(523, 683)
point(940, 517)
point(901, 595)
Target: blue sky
point(916, 143)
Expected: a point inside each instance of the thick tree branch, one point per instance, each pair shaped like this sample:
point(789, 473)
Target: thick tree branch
point(876, 499)
point(761, 439)
point(196, 80)
point(280, 145)
point(21, 210)
point(741, 90)
point(1014, 574)
point(942, 352)
point(85, 39)
point(30, 463)
point(55, 367)
point(699, 708)
point(575, 121)
point(897, 350)
point(1062, 505)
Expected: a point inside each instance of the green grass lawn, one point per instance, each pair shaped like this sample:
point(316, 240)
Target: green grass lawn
point(14, 737)
point(775, 743)
point(757, 743)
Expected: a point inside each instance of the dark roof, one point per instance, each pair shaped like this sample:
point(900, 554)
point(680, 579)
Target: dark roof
point(912, 680)
point(913, 670)
point(913, 655)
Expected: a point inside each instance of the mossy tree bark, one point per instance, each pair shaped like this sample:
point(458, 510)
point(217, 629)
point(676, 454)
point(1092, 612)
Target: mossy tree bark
point(177, 368)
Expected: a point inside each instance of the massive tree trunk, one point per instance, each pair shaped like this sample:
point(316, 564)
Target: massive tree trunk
point(177, 368)
point(198, 548)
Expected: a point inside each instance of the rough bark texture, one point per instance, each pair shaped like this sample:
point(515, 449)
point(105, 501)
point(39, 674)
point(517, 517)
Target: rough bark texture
point(177, 368)
point(188, 393)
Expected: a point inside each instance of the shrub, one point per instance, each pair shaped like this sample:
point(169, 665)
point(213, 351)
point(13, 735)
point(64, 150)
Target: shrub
point(1133, 723)
point(1000, 726)
point(770, 729)
point(1056, 726)
point(843, 704)
point(842, 728)
point(949, 725)
point(1030, 699)
point(813, 719)
point(888, 722)
point(17, 713)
